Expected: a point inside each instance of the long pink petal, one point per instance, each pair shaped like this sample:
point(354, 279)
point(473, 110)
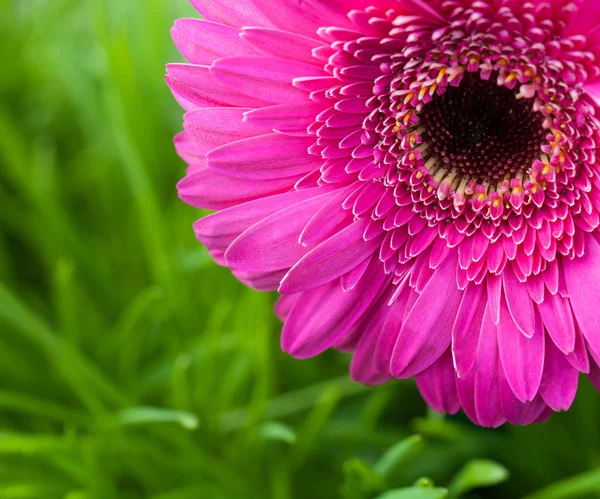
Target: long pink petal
point(519, 303)
point(582, 276)
point(198, 88)
point(394, 316)
point(438, 386)
point(266, 281)
point(323, 315)
point(515, 411)
point(494, 292)
point(555, 312)
point(594, 375)
point(284, 305)
point(219, 230)
point(232, 12)
point(363, 368)
point(331, 259)
point(264, 157)
point(189, 151)
point(465, 387)
point(427, 331)
point(559, 382)
point(282, 44)
point(579, 358)
point(305, 16)
point(284, 117)
point(213, 191)
point(202, 42)
point(486, 389)
point(522, 357)
point(272, 244)
point(216, 126)
point(466, 329)
point(329, 220)
point(264, 78)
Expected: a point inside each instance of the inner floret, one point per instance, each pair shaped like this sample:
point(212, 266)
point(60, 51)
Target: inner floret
point(480, 131)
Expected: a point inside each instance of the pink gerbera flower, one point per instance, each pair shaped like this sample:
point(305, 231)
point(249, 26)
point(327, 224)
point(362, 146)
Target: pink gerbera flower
point(417, 178)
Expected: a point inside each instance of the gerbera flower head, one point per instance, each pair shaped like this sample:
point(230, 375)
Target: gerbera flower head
point(417, 178)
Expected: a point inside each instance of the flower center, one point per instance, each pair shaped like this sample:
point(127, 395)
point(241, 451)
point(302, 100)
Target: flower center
point(481, 131)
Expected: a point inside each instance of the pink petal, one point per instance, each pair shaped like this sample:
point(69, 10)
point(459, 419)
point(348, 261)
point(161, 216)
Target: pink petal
point(559, 382)
point(284, 117)
point(202, 42)
point(486, 388)
point(305, 16)
point(219, 230)
point(593, 90)
point(323, 315)
point(427, 331)
point(198, 88)
point(282, 44)
point(555, 312)
point(594, 375)
point(284, 305)
point(329, 220)
point(466, 395)
point(264, 78)
point(582, 276)
point(519, 303)
point(363, 368)
point(585, 20)
point(351, 278)
point(214, 191)
point(189, 151)
point(466, 329)
point(232, 12)
point(266, 281)
point(579, 357)
point(272, 244)
point(515, 411)
point(438, 386)
point(394, 316)
point(522, 357)
point(494, 291)
point(425, 10)
point(331, 259)
point(216, 126)
point(265, 157)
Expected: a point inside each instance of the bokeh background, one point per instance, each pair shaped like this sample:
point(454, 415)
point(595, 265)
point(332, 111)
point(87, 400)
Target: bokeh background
point(133, 367)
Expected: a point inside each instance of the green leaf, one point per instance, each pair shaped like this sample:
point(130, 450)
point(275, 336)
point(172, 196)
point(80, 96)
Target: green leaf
point(16, 443)
point(578, 486)
point(273, 430)
point(77, 494)
point(415, 493)
point(475, 474)
point(398, 455)
point(314, 423)
point(360, 480)
point(149, 415)
point(291, 403)
point(440, 428)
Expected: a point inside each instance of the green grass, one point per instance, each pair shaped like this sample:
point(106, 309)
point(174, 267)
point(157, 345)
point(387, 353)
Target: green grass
point(132, 367)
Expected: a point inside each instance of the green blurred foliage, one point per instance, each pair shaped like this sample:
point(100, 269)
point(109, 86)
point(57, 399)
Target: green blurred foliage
point(132, 367)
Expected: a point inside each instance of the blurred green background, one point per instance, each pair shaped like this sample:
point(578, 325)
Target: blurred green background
point(132, 367)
